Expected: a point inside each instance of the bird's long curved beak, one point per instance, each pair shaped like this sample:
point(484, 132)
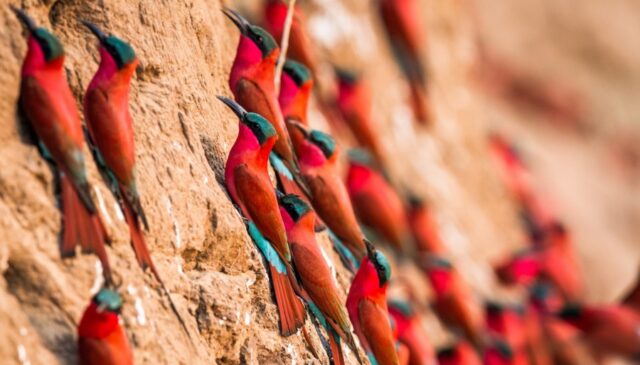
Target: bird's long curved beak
point(300, 128)
point(371, 250)
point(25, 19)
point(237, 19)
point(95, 30)
point(233, 105)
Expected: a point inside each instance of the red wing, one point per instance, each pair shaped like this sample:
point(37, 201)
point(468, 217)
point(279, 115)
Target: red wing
point(112, 136)
point(95, 352)
point(252, 97)
point(332, 210)
point(374, 323)
point(318, 282)
point(257, 195)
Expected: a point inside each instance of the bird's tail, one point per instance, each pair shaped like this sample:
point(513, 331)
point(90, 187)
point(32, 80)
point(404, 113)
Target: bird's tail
point(137, 238)
point(290, 307)
point(82, 226)
point(336, 349)
point(420, 103)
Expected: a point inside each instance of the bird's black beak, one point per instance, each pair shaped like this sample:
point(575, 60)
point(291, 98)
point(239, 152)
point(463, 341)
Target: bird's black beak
point(95, 30)
point(233, 105)
point(279, 195)
point(25, 19)
point(300, 128)
point(237, 19)
point(371, 250)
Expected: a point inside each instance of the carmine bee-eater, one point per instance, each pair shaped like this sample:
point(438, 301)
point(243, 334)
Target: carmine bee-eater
point(318, 157)
point(453, 301)
point(367, 306)
point(354, 104)
point(611, 329)
point(376, 203)
point(106, 107)
point(461, 353)
point(300, 45)
point(560, 264)
point(315, 276)
point(248, 183)
point(252, 84)
point(101, 339)
point(405, 31)
point(411, 333)
point(424, 227)
point(48, 104)
point(507, 323)
point(523, 268)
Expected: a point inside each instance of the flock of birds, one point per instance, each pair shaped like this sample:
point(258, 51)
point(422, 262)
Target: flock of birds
point(310, 195)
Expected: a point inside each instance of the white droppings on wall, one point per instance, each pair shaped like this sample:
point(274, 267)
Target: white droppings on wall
point(98, 280)
point(250, 282)
point(141, 318)
point(177, 241)
point(22, 355)
point(119, 214)
point(291, 352)
point(102, 206)
point(247, 318)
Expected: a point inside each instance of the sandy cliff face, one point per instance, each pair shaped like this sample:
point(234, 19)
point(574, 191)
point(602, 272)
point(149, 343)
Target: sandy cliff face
point(183, 134)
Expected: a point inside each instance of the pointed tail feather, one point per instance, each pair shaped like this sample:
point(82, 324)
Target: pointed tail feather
point(137, 239)
point(290, 307)
point(337, 355)
point(82, 227)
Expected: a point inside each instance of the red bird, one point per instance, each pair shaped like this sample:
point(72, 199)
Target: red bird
point(506, 323)
point(296, 85)
point(101, 339)
point(313, 270)
point(367, 306)
point(300, 45)
point(424, 227)
point(106, 105)
point(524, 268)
point(49, 106)
point(376, 204)
point(405, 30)
point(354, 104)
point(612, 329)
point(252, 82)
point(460, 354)
point(454, 303)
point(249, 186)
point(411, 334)
point(318, 163)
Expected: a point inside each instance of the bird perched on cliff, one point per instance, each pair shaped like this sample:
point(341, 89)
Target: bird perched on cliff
point(611, 329)
point(367, 306)
point(411, 333)
point(252, 83)
point(315, 276)
point(111, 136)
point(101, 339)
point(48, 104)
point(460, 353)
point(300, 45)
point(424, 227)
point(296, 84)
point(453, 301)
point(248, 184)
point(318, 157)
point(354, 103)
point(506, 323)
point(377, 204)
point(404, 28)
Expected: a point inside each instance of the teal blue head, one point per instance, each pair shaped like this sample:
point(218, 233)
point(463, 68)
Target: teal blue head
point(324, 141)
point(297, 71)
point(260, 37)
point(108, 300)
point(296, 207)
point(361, 157)
point(259, 126)
point(49, 44)
point(120, 51)
point(402, 307)
point(380, 262)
